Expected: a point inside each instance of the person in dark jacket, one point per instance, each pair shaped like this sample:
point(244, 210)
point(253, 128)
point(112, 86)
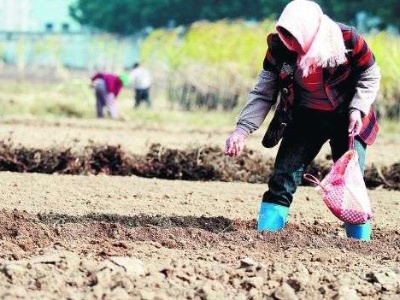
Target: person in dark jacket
point(107, 87)
point(328, 79)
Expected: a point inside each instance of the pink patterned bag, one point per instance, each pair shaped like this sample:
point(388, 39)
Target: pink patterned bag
point(344, 190)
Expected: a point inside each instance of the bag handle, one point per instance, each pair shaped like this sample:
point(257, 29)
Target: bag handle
point(351, 141)
point(311, 178)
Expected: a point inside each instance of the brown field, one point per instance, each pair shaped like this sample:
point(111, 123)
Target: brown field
point(129, 237)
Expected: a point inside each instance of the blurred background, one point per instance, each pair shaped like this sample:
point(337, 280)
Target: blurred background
point(203, 55)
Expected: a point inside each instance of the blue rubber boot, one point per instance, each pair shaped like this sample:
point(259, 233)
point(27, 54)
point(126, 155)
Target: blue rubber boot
point(359, 231)
point(272, 217)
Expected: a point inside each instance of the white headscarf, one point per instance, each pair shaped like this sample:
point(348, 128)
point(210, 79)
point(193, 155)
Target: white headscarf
point(319, 36)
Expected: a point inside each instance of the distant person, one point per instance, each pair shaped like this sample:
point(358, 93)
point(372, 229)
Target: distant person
point(107, 87)
point(140, 79)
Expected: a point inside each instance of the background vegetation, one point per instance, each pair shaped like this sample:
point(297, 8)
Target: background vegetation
point(209, 64)
point(204, 65)
point(207, 54)
point(73, 101)
point(129, 16)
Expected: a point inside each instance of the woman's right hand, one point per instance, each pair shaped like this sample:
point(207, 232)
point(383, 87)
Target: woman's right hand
point(235, 142)
point(355, 122)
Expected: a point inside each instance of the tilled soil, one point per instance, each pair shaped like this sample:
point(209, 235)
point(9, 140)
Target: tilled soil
point(145, 257)
point(128, 237)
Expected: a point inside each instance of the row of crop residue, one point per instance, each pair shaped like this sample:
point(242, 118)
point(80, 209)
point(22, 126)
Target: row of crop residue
point(207, 164)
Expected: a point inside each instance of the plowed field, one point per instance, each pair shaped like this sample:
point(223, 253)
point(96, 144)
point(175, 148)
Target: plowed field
point(79, 221)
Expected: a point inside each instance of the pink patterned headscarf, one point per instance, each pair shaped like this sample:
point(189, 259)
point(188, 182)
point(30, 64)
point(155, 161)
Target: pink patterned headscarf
point(319, 36)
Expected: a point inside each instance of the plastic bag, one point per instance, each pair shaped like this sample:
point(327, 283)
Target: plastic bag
point(344, 190)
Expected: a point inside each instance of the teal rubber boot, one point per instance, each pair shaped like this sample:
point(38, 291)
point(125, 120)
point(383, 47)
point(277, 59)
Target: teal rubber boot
point(272, 217)
point(359, 231)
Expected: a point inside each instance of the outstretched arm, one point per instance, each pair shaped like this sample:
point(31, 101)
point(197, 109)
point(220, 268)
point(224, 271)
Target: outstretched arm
point(260, 100)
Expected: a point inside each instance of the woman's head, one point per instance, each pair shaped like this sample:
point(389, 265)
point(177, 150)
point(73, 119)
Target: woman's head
point(317, 39)
point(298, 24)
point(289, 40)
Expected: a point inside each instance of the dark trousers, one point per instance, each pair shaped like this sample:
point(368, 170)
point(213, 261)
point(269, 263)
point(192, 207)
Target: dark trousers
point(302, 141)
point(142, 95)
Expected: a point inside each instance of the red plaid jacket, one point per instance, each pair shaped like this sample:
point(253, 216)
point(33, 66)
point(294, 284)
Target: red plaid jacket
point(113, 83)
point(340, 82)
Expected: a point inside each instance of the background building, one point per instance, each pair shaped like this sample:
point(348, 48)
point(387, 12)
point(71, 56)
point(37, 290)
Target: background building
point(41, 33)
point(37, 16)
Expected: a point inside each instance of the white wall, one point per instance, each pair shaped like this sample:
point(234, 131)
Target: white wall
point(15, 15)
point(37, 16)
